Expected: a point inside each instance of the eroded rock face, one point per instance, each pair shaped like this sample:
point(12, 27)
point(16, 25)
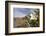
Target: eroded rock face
point(21, 22)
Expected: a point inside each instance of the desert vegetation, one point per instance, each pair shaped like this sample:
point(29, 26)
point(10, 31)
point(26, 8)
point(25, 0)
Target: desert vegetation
point(27, 21)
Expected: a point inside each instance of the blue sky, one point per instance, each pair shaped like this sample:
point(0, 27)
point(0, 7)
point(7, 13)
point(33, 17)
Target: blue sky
point(21, 12)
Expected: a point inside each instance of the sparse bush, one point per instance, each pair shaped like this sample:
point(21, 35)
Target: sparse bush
point(34, 23)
